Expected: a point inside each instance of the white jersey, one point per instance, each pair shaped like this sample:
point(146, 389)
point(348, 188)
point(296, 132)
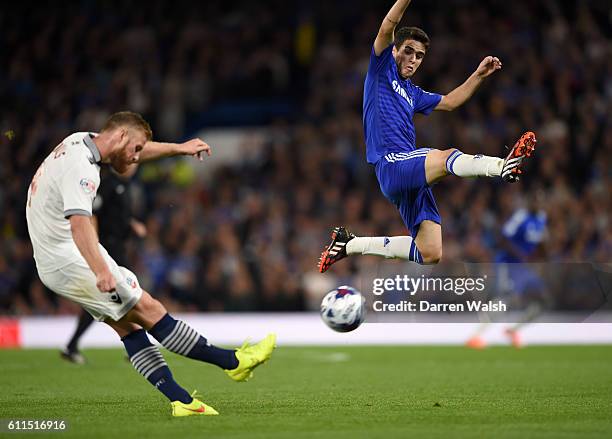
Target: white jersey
point(65, 184)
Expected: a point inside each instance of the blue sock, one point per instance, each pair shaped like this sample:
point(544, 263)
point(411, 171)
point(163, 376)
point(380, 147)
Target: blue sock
point(180, 338)
point(148, 361)
point(415, 254)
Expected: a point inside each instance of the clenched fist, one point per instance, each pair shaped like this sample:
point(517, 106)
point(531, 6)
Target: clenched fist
point(195, 147)
point(106, 282)
point(488, 66)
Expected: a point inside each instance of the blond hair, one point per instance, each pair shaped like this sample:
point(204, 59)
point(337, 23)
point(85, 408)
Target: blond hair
point(128, 118)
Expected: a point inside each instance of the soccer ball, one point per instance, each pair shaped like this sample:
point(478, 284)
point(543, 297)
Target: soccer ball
point(343, 309)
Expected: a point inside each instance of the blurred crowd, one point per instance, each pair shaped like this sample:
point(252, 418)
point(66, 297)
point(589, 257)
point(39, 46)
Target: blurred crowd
point(248, 238)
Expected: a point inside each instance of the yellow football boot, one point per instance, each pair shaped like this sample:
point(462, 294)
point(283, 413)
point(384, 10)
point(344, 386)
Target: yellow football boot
point(251, 356)
point(195, 407)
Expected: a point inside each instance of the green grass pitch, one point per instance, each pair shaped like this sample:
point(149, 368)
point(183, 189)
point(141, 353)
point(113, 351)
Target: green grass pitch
point(331, 392)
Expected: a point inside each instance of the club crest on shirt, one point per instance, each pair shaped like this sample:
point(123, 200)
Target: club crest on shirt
point(87, 185)
point(131, 282)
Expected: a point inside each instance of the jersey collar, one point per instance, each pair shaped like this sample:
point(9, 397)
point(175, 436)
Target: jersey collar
point(88, 140)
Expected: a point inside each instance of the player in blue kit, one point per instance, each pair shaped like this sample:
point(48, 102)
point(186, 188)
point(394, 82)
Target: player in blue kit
point(522, 233)
point(521, 242)
point(405, 173)
point(522, 238)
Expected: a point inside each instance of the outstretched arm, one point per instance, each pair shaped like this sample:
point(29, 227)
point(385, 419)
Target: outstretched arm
point(155, 150)
point(392, 19)
point(458, 96)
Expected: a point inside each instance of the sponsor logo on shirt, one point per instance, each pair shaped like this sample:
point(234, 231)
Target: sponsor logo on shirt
point(400, 91)
point(87, 185)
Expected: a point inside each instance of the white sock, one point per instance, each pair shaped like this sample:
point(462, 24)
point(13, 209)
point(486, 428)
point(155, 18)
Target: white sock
point(402, 247)
point(466, 165)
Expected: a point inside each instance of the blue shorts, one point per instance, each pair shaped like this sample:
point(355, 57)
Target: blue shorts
point(402, 180)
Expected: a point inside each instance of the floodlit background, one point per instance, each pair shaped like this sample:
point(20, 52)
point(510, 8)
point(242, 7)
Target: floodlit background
point(275, 86)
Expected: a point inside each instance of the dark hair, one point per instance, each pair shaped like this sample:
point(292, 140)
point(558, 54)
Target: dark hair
point(410, 33)
point(128, 118)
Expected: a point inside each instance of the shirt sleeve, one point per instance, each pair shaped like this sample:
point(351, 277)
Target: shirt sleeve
point(378, 63)
point(78, 187)
point(425, 101)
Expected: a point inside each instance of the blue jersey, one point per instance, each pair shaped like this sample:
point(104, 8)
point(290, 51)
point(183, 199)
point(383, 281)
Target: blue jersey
point(525, 230)
point(389, 104)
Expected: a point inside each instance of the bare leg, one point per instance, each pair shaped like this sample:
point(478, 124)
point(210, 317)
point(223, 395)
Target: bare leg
point(435, 165)
point(122, 327)
point(429, 242)
point(146, 313)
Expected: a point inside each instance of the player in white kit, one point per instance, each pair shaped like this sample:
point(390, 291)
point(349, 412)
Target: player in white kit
point(72, 263)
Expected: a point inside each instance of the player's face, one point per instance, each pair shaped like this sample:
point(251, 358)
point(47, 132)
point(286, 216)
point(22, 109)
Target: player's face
point(409, 57)
point(131, 142)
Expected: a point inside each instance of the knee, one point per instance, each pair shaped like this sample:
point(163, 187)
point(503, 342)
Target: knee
point(436, 164)
point(431, 255)
point(151, 306)
point(445, 156)
point(440, 156)
point(433, 158)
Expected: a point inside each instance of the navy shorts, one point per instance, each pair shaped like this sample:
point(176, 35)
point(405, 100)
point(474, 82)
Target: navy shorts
point(402, 180)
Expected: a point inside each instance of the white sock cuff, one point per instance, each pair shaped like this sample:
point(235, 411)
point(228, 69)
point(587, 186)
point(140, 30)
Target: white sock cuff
point(451, 159)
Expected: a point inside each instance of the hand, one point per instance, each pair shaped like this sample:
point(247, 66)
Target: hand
point(106, 282)
point(488, 66)
point(195, 147)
